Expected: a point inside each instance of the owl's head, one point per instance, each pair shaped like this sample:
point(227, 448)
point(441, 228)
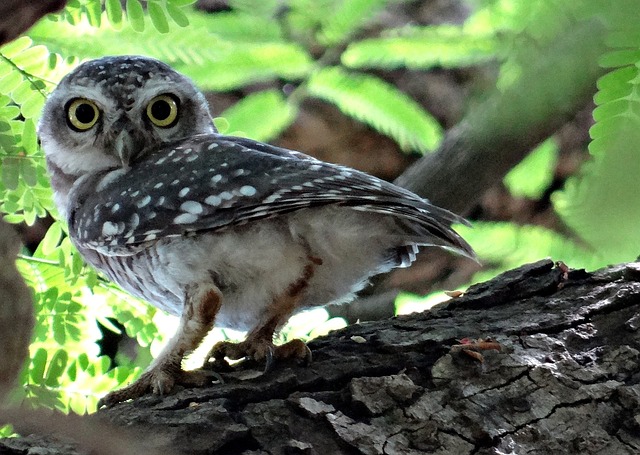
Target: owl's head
point(108, 111)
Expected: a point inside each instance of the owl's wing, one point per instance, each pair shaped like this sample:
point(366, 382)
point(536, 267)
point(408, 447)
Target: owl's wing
point(212, 182)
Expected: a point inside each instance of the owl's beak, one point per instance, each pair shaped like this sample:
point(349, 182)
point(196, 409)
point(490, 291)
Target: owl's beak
point(126, 147)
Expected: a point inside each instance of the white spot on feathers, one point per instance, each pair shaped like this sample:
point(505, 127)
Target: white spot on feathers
point(192, 207)
point(247, 190)
point(185, 218)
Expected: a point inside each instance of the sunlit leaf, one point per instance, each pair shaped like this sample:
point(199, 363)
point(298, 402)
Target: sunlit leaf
point(423, 48)
point(533, 175)
point(10, 172)
point(261, 116)
point(135, 14)
point(158, 17)
point(177, 15)
point(379, 104)
point(114, 12)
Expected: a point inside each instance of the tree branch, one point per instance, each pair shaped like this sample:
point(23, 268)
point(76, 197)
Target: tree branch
point(564, 381)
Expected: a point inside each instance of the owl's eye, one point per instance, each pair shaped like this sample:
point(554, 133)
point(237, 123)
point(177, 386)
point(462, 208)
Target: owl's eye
point(82, 114)
point(163, 110)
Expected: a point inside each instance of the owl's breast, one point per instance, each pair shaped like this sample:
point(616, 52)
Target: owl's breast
point(140, 274)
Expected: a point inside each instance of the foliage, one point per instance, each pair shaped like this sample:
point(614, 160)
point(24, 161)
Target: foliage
point(282, 56)
point(599, 206)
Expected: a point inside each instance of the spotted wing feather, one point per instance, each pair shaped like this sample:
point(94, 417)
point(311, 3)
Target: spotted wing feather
point(211, 182)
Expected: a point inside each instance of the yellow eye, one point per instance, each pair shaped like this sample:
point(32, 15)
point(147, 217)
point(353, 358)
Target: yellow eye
point(82, 114)
point(163, 110)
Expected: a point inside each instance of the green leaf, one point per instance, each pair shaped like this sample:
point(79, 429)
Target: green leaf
point(181, 3)
point(236, 27)
point(28, 173)
point(135, 14)
point(177, 15)
point(533, 175)
point(14, 48)
point(11, 172)
point(114, 13)
point(51, 239)
point(158, 17)
point(221, 124)
point(94, 12)
point(422, 48)
point(507, 245)
point(619, 58)
point(29, 137)
point(260, 116)
point(378, 104)
point(38, 366)
point(246, 63)
point(263, 8)
point(601, 205)
point(56, 367)
point(346, 19)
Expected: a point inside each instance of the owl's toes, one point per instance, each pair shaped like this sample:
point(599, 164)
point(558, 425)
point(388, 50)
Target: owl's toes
point(142, 385)
point(295, 349)
point(160, 381)
point(261, 350)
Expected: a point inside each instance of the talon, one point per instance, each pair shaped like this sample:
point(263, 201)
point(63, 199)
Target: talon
point(308, 358)
point(160, 380)
point(268, 359)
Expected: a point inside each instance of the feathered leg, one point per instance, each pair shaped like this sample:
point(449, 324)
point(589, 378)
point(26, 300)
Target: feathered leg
point(259, 342)
point(201, 307)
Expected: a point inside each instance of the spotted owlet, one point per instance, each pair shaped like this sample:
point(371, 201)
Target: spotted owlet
point(210, 227)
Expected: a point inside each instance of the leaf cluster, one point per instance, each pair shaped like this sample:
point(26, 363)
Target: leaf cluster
point(597, 208)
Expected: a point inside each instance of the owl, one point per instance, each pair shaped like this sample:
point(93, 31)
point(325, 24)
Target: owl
point(215, 229)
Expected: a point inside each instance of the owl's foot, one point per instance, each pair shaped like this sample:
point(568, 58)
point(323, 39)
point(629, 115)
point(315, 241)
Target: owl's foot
point(201, 306)
point(261, 350)
point(259, 343)
point(160, 380)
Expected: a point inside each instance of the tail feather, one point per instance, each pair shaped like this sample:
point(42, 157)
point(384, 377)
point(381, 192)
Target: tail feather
point(425, 227)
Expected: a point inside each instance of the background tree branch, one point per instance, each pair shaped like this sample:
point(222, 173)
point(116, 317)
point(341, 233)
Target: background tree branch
point(18, 15)
point(499, 132)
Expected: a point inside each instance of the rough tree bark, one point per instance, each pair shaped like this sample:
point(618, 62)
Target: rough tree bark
point(566, 380)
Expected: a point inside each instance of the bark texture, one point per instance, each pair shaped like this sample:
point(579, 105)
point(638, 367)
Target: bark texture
point(16, 312)
point(566, 380)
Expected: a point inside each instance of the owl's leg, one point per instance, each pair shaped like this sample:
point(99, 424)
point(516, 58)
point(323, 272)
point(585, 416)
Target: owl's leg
point(198, 315)
point(259, 342)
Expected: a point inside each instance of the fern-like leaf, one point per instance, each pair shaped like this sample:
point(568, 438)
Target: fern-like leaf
point(378, 104)
point(260, 116)
point(422, 48)
point(346, 18)
point(601, 205)
point(236, 26)
point(507, 245)
point(219, 65)
point(242, 64)
point(533, 175)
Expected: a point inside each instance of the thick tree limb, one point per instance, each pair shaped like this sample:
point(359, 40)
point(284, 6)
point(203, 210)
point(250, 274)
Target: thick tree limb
point(565, 381)
point(16, 312)
point(16, 16)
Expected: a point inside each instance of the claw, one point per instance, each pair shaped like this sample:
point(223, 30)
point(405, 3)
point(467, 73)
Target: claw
point(261, 350)
point(308, 358)
point(268, 359)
